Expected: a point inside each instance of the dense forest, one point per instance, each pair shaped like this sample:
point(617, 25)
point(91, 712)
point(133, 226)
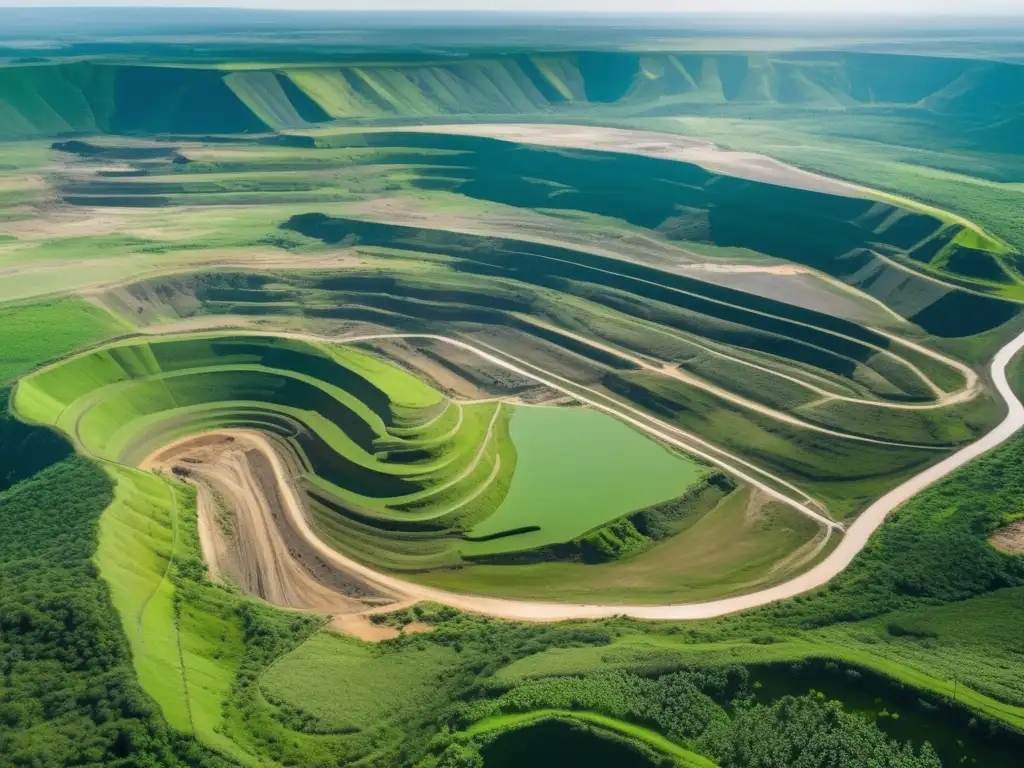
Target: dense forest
point(711, 711)
point(68, 693)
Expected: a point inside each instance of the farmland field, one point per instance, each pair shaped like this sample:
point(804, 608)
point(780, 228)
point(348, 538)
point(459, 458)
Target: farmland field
point(392, 393)
point(46, 329)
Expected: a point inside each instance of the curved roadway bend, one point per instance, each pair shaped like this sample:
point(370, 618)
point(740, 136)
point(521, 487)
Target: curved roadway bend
point(856, 537)
point(654, 427)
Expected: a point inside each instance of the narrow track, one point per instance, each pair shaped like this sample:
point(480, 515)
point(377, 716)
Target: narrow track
point(855, 539)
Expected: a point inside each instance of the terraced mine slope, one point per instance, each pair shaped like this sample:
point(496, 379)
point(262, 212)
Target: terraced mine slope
point(394, 471)
point(800, 339)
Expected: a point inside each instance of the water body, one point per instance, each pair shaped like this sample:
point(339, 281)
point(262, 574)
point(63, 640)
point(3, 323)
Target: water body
point(560, 744)
point(576, 469)
point(902, 712)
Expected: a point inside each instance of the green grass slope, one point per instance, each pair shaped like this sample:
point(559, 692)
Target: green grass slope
point(396, 473)
point(978, 96)
point(43, 330)
point(53, 100)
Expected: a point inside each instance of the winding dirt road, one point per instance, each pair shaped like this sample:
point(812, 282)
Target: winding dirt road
point(856, 537)
point(663, 431)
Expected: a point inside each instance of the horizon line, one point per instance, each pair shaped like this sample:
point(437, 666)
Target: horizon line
point(416, 11)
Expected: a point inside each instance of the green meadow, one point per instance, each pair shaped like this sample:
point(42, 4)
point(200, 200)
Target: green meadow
point(46, 329)
point(186, 654)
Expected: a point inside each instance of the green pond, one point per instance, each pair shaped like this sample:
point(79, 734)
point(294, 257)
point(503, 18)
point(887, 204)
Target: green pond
point(906, 714)
point(560, 744)
point(577, 469)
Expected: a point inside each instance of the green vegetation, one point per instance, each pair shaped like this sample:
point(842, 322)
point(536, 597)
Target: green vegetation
point(25, 450)
point(883, 153)
point(722, 543)
point(186, 652)
point(553, 747)
point(381, 455)
point(799, 731)
point(346, 685)
point(371, 439)
point(68, 695)
point(910, 607)
point(84, 97)
point(690, 203)
point(46, 329)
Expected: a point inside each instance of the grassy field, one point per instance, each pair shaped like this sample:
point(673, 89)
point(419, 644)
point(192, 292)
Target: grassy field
point(348, 685)
point(43, 330)
point(729, 549)
point(186, 652)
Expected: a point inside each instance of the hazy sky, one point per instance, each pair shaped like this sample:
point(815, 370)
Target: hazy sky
point(966, 7)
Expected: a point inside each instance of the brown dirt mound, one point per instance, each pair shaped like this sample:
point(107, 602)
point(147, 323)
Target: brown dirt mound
point(1009, 539)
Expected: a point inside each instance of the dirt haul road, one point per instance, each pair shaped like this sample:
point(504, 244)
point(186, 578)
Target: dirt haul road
point(856, 537)
point(666, 146)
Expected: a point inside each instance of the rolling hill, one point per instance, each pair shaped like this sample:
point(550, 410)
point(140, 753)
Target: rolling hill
point(90, 96)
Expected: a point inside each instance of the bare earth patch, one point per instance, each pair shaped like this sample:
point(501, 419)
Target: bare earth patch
point(669, 146)
point(416, 627)
point(358, 625)
point(1009, 539)
point(243, 531)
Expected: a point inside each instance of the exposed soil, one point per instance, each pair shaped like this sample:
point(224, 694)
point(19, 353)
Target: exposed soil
point(54, 222)
point(358, 625)
point(755, 510)
point(1009, 539)
point(490, 380)
point(446, 378)
point(244, 534)
point(669, 146)
point(416, 627)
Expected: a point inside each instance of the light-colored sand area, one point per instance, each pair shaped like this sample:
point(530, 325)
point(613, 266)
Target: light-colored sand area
point(1009, 539)
point(358, 625)
point(668, 146)
point(779, 280)
point(21, 183)
point(770, 269)
point(67, 221)
point(241, 531)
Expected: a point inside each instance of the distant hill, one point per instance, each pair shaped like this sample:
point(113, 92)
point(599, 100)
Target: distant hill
point(50, 99)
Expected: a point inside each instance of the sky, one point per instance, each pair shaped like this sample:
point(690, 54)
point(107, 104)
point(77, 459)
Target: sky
point(757, 7)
